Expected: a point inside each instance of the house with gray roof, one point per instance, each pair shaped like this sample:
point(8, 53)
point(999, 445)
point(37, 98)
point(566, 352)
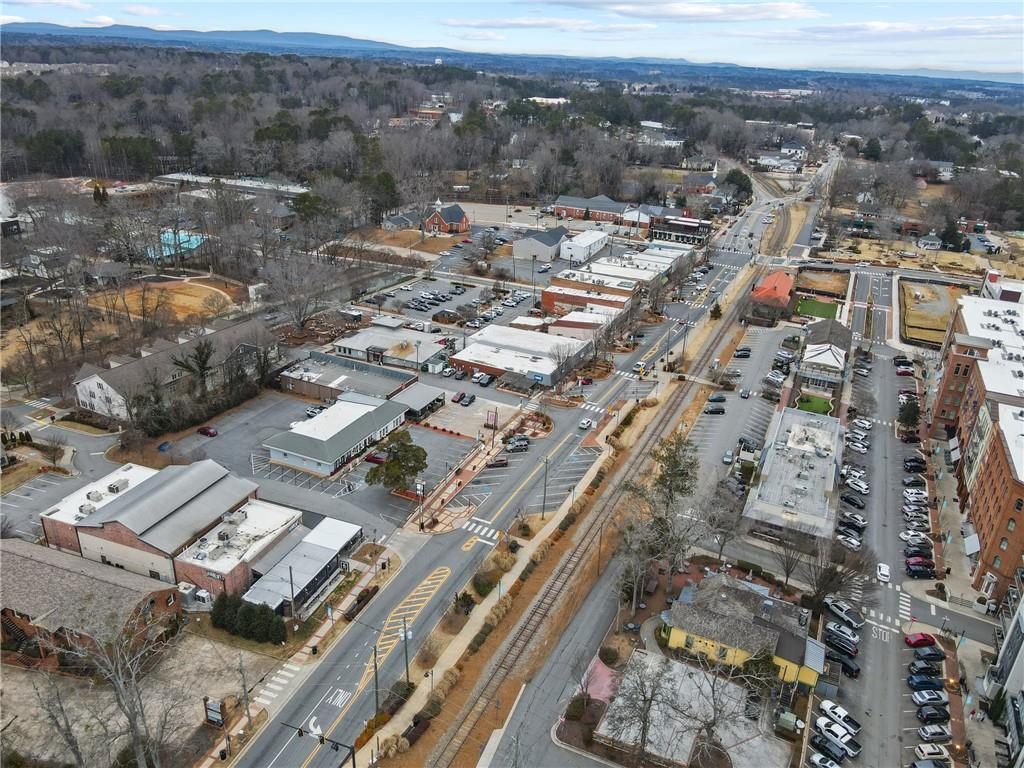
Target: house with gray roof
point(44, 592)
point(542, 245)
point(108, 390)
point(325, 443)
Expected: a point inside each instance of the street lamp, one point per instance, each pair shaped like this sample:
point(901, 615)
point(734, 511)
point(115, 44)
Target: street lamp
point(418, 342)
point(544, 504)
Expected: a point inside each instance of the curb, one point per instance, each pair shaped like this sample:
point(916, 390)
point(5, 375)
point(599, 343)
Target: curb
point(576, 751)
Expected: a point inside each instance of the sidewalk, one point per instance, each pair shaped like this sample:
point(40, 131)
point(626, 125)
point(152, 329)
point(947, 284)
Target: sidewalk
point(981, 734)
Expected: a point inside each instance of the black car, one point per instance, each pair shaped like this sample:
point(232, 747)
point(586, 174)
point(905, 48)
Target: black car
point(924, 668)
point(929, 764)
point(741, 354)
point(459, 375)
point(913, 481)
point(932, 715)
point(467, 400)
point(920, 572)
point(914, 461)
point(828, 748)
point(901, 360)
point(921, 550)
point(853, 501)
point(932, 653)
point(716, 399)
point(838, 643)
point(714, 410)
point(850, 667)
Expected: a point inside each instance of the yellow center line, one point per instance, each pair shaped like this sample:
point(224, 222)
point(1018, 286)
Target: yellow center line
point(437, 578)
point(528, 478)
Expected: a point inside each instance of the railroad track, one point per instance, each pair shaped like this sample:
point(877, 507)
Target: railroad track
point(531, 624)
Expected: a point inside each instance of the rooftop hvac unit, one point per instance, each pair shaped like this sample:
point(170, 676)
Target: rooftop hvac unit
point(223, 535)
point(186, 589)
point(94, 496)
point(200, 556)
point(118, 485)
point(87, 509)
point(216, 552)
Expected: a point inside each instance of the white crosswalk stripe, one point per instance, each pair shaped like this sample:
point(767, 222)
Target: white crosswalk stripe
point(626, 374)
point(905, 612)
point(37, 403)
point(592, 407)
point(483, 531)
point(531, 406)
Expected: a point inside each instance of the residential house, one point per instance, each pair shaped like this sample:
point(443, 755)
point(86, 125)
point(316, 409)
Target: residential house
point(794, 149)
point(770, 299)
point(109, 391)
point(729, 621)
point(47, 596)
point(48, 263)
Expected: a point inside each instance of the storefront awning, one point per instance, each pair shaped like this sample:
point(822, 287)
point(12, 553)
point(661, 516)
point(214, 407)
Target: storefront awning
point(954, 455)
point(954, 443)
point(972, 545)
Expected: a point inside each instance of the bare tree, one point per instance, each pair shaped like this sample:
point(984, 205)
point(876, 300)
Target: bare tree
point(723, 517)
point(788, 552)
point(53, 447)
point(832, 570)
point(88, 739)
point(643, 700)
point(299, 286)
point(583, 674)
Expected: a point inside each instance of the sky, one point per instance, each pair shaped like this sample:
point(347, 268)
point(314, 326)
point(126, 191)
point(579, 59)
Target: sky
point(903, 34)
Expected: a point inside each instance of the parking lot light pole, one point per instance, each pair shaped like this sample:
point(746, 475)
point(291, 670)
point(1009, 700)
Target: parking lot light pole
point(544, 505)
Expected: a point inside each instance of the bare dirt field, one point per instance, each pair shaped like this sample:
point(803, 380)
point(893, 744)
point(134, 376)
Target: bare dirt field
point(781, 233)
point(11, 341)
point(411, 238)
point(829, 283)
point(193, 668)
point(925, 310)
point(894, 253)
point(922, 199)
point(237, 293)
point(183, 298)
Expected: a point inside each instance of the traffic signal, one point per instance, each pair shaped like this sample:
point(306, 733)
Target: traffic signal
point(299, 732)
point(323, 739)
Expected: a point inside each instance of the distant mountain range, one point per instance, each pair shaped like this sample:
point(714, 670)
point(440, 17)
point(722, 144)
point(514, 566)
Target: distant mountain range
point(311, 43)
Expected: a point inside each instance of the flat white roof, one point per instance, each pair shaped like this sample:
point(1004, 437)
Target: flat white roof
point(343, 413)
point(600, 268)
point(580, 276)
point(589, 237)
point(1002, 323)
point(67, 509)
point(396, 342)
point(331, 533)
point(591, 318)
point(567, 291)
point(243, 537)
point(1011, 422)
point(642, 266)
point(253, 184)
point(530, 342)
point(507, 359)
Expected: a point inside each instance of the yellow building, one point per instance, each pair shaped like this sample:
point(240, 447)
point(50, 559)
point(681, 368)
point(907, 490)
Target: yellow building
point(729, 621)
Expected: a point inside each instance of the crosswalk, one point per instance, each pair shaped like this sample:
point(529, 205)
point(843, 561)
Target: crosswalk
point(626, 374)
point(273, 687)
point(481, 529)
point(883, 423)
point(40, 403)
point(532, 406)
point(588, 406)
point(904, 609)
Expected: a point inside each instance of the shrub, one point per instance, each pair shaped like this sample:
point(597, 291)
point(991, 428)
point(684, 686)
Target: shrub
point(499, 611)
point(478, 640)
point(486, 629)
point(525, 573)
point(587, 735)
point(575, 709)
point(430, 651)
point(465, 603)
point(503, 560)
point(753, 568)
point(418, 729)
point(484, 582)
point(514, 546)
point(524, 530)
point(430, 710)
point(608, 655)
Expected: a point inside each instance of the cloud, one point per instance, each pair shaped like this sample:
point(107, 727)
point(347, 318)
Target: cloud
point(480, 34)
point(704, 12)
point(77, 5)
point(977, 28)
point(11, 19)
point(584, 26)
point(142, 10)
point(98, 21)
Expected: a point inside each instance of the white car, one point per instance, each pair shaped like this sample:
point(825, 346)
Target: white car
point(862, 424)
point(931, 752)
point(915, 495)
point(862, 371)
point(405, 287)
point(850, 543)
point(858, 485)
point(856, 447)
point(933, 698)
point(859, 435)
point(912, 537)
point(448, 372)
point(882, 573)
point(727, 458)
point(586, 424)
point(843, 631)
point(848, 471)
point(820, 761)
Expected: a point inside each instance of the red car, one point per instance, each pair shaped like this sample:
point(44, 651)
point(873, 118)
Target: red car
point(910, 437)
point(919, 640)
point(467, 240)
point(904, 371)
point(908, 391)
point(376, 457)
point(586, 381)
point(923, 562)
point(457, 397)
point(207, 431)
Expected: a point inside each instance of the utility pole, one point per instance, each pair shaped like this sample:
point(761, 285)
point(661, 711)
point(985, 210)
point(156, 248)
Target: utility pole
point(376, 686)
point(245, 691)
point(405, 644)
point(291, 584)
point(544, 506)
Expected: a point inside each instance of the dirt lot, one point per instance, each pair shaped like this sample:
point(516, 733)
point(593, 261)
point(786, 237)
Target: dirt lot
point(925, 310)
point(829, 283)
point(194, 668)
point(792, 218)
point(237, 293)
point(183, 298)
point(411, 238)
point(889, 253)
point(922, 199)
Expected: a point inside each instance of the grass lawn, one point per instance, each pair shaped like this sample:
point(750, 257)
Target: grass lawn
point(816, 308)
point(814, 404)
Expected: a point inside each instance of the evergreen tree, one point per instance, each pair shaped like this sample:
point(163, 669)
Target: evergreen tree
point(246, 620)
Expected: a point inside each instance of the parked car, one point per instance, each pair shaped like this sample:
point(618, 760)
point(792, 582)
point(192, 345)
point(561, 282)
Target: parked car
point(850, 668)
point(932, 698)
point(853, 501)
point(376, 457)
point(460, 375)
point(915, 495)
point(910, 437)
point(862, 371)
point(932, 714)
point(836, 733)
point(714, 410)
point(925, 683)
point(727, 458)
point(914, 481)
point(717, 398)
point(857, 447)
point(923, 668)
point(208, 431)
point(935, 733)
point(468, 400)
point(828, 748)
point(458, 397)
point(853, 519)
point(858, 485)
point(921, 562)
point(837, 643)
point(821, 761)
point(919, 550)
point(862, 424)
point(501, 460)
point(844, 611)
point(841, 716)
point(920, 572)
point(852, 544)
point(930, 653)
point(485, 380)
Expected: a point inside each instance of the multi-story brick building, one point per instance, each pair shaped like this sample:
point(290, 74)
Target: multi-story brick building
point(978, 406)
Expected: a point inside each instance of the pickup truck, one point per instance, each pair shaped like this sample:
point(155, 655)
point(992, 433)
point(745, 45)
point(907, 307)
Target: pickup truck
point(841, 716)
point(838, 735)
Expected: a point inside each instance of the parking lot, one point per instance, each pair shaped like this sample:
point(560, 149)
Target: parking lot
point(561, 480)
point(469, 420)
point(37, 494)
